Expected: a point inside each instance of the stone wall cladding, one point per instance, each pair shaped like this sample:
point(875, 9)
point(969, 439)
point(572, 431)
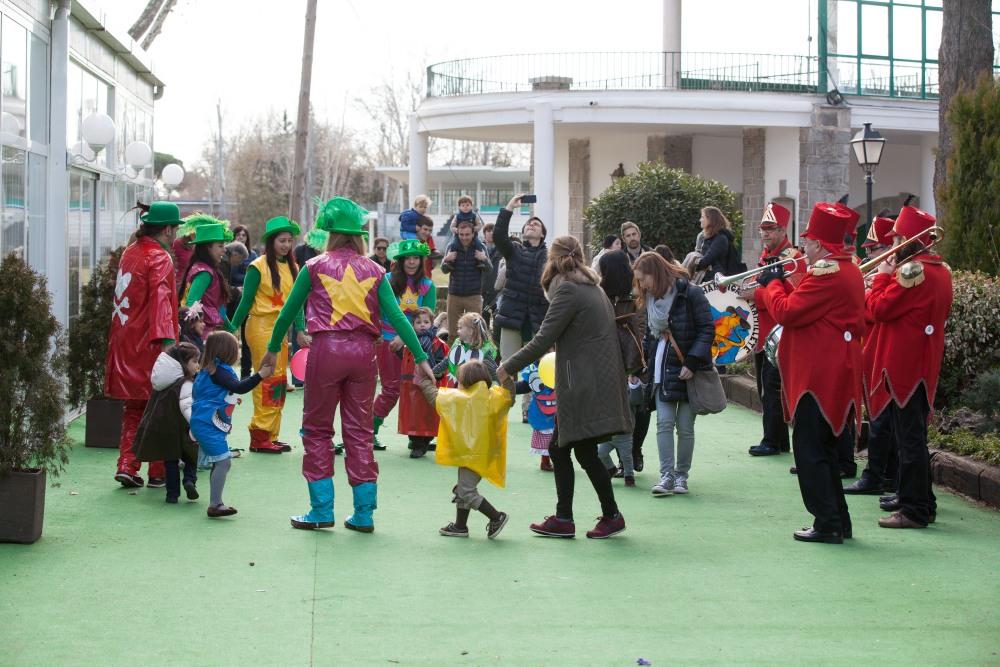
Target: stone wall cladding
point(824, 159)
point(579, 189)
point(754, 139)
point(673, 150)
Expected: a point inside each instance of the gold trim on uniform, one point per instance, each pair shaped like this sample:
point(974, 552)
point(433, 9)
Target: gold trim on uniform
point(824, 267)
point(910, 274)
point(787, 253)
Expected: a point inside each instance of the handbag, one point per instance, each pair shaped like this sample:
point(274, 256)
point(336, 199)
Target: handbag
point(630, 344)
point(705, 393)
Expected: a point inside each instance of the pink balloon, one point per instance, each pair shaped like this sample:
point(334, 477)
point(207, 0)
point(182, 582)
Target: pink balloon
point(298, 363)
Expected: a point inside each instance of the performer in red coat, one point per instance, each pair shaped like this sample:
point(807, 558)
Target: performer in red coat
point(910, 298)
point(821, 365)
point(144, 322)
point(774, 234)
point(881, 472)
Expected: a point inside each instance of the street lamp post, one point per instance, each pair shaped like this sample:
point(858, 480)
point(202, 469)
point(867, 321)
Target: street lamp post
point(867, 145)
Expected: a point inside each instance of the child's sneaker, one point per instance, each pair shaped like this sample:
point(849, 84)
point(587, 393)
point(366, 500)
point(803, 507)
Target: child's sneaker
point(629, 480)
point(680, 485)
point(191, 490)
point(172, 500)
point(493, 528)
point(451, 530)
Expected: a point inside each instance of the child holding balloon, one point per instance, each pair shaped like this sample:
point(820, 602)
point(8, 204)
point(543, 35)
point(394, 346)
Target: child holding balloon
point(473, 437)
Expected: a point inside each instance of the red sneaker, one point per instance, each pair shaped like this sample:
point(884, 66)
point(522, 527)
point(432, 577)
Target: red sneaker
point(606, 527)
point(553, 527)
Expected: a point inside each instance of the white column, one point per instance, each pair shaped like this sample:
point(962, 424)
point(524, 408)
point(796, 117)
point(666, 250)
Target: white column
point(928, 143)
point(545, 166)
point(56, 251)
point(418, 159)
point(672, 25)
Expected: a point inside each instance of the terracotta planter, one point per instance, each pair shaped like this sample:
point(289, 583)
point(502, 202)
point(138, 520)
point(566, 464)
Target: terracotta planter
point(22, 506)
point(104, 422)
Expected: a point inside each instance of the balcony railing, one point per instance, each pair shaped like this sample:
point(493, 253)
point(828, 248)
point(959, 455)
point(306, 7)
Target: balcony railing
point(668, 71)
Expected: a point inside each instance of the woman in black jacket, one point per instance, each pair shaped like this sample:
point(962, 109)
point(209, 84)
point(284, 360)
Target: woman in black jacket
point(679, 318)
point(718, 239)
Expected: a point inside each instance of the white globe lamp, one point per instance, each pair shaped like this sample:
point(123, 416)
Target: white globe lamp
point(98, 131)
point(82, 150)
point(138, 155)
point(172, 175)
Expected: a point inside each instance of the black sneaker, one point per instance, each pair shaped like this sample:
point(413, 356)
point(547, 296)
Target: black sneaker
point(191, 490)
point(418, 451)
point(172, 500)
point(156, 483)
point(493, 528)
point(451, 530)
point(128, 480)
point(377, 445)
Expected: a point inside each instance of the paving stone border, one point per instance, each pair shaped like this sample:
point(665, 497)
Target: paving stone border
point(974, 479)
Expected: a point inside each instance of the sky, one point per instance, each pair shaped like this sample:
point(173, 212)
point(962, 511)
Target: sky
point(248, 53)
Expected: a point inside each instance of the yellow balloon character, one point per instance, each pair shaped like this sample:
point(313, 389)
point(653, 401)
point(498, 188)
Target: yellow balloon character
point(547, 370)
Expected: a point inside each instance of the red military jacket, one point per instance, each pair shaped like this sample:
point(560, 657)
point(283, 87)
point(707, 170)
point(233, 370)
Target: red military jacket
point(910, 308)
point(765, 322)
point(820, 350)
point(145, 312)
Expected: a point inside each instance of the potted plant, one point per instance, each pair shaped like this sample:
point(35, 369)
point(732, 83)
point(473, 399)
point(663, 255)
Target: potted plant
point(33, 440)
point(88, 347)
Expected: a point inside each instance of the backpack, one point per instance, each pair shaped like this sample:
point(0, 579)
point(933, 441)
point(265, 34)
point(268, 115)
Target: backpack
point(734, 258)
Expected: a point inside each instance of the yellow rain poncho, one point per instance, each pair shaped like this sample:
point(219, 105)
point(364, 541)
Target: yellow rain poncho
point(473, 430)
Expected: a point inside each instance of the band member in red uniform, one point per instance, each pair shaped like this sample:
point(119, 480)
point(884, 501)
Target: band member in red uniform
point(774, 235)
point(910, 298)
point(821, 365)
point(143, 323)
point(883, 466)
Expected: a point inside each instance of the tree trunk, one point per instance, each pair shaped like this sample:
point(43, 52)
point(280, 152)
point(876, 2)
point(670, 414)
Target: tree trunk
point(295, 208)
point(145, 19)
point(154, 31)
point(966, 52)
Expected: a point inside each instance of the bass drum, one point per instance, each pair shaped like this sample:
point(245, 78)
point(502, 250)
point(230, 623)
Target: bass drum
point(735, 325)
point(771, 345)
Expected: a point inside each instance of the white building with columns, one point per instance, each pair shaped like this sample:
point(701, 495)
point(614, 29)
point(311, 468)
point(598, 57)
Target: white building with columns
point(771, 127)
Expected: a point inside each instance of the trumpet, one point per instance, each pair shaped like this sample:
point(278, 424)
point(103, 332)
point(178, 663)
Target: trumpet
point(725, 282)
point(935, 235)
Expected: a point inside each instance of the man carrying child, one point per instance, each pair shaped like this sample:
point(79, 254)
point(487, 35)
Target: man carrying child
point(465, 261)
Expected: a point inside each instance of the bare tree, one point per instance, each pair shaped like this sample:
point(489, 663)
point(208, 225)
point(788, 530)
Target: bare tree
point(295, 207)
point(966, 52)
point(145, 19)
point(154, 31)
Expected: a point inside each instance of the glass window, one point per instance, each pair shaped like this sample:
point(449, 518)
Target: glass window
point(875, 77)
point(13, 236)
point(74, 92)
point(906, 32)
point(123, 226)
point(14, 72)
point(38, 95)
point(73, 244)
point(846, 38)
point(86, 228)
point(36, 211)
point(933, 19)
point(105, 219)
point(875, 30)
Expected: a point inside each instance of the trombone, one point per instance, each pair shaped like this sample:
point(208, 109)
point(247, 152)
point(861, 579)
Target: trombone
point(725, 282)
point(935, 235)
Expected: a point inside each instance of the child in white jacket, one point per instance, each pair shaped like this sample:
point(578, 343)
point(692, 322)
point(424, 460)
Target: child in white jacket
point(164, 432)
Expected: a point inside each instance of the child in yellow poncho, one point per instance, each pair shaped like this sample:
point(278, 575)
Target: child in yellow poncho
point(472, 436)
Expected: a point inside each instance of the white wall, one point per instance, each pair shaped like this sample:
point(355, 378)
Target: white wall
point(901, 170)
point(719, 158)
point(607, 149)
point(781, 162)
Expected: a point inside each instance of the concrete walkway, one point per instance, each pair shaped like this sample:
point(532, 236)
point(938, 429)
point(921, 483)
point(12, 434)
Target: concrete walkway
point(710, 578)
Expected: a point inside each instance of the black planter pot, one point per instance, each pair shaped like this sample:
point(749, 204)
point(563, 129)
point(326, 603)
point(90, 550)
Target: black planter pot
point(104, 422)
point(22, 506)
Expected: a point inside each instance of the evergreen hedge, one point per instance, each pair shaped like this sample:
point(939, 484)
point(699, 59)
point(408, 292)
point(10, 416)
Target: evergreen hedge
point(665, 203)
point(88, 332)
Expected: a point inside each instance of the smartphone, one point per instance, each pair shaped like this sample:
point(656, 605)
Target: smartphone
point(529, 199)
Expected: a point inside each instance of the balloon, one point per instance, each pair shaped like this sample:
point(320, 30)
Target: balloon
point(547, 370)
point(298, 363)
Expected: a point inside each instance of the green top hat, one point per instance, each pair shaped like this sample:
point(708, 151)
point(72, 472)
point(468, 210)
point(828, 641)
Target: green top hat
point(408, 248)
point(278, 225)
point(196, 220)
point(162, 213)
point(217, 233)
point(342, 216)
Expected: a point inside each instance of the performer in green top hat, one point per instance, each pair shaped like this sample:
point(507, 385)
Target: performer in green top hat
point(346, 296)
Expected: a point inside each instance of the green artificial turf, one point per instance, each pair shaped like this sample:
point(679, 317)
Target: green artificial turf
point(710, 578)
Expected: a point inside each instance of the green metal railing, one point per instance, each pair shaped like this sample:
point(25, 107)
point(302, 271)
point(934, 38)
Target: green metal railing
point(674, 71)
